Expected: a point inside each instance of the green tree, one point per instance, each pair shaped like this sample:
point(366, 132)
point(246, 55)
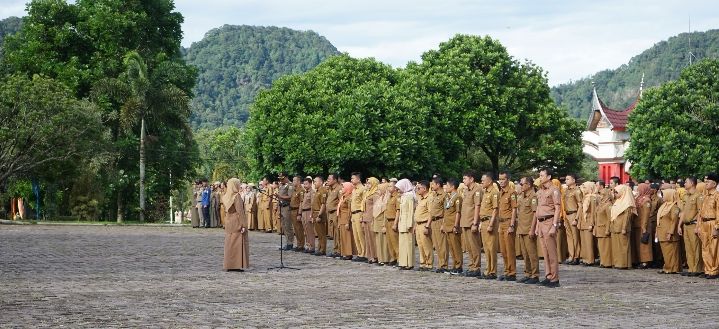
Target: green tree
point(44, 131)
point(479, 97)
point(345, 115)
point(83, 45)
point(224, 154)
point(674, 129)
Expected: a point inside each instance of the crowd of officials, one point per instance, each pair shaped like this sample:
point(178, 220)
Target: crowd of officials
point(665, 225)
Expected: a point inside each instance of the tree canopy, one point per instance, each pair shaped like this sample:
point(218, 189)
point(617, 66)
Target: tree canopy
point(236, 62)
point(675, 128)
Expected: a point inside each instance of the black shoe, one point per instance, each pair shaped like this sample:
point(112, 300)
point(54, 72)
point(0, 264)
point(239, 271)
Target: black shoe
point(711, 277)
point(543, 282)
point(510, 278)
point(552, 284)
point(532, 281)
point(440, 270)
point(490, 277)
point(288, 247)
point(309, 251)
point(320, 254)
point(347, 258)
point(470, 274)
point(685, 274)
point(567, 262)
point(695, 274)
point(602, 266)
point(523, 280)
point(501, 278)
point(643, 266)
point(392, 263)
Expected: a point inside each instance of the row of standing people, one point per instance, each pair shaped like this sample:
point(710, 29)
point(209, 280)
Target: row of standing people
point(207, 209)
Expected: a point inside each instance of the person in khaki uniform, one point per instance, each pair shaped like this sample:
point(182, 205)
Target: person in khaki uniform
point(370, 197)
point(708, 230)
point(562, 251)
point(297, 194)
point(319, 216)
point(283, 200)
point(622, 211)
point(549, 202)
point(344, 215)
point(572, 207)
point(586, 221)
point(641, 238)
point(357, 204)
point(306, 215)
point(334, 191)
point(507, 223)
point(250, 202)
point(379, 224)
point(436, 210)
point(602, 225)
point(489, 224)
point(276, 217)
point(422, 219)
point(391, 215)
point(469, 221)
point(688, 219)
point(266, 206)
point(667, 223)
point(404, 224)
point(451, 228)
point(526, 226)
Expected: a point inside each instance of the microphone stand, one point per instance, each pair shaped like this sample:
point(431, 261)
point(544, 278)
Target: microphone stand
point(282, 248)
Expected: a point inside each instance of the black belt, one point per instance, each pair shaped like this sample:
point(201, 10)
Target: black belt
point(484, 219)
point(541, 219)
point(502, 220)
point(708, 219)
point(332, 210)
point(437, 217)
point(308, 209)
point(691, 222)
point(571, 212)
point(294, 208)
point(389, 219)
point(356, 212)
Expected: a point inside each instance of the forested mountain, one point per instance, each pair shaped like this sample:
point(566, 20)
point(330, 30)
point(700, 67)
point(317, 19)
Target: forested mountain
point(8, 26)
point(235, 62)
point(618, 88)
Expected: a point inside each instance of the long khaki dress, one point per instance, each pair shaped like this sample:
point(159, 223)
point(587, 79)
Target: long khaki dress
point(621, 247)
point(237, 245)
point(406, 238)
point(603, 233)
point(345, 228)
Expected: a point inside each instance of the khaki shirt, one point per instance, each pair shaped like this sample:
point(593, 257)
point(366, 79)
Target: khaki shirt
point(306, 204)
point(668, 225)
point(526, 206)
point(472, 197)
point(452, 206)
point(318, 199)
point(421, 213)
point(490, 201)
point(548, 199)
point(357, 198)
point(284, 191)
point(709, 208)
point(572, 199)
point(690, 208)
point(296, 196)
point(333, 198)
point(436, 204)
point(392, 206)
point(507, 203)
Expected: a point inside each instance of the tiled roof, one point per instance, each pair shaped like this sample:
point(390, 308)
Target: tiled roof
point(618, 119)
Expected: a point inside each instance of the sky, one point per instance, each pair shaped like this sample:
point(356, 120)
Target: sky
point(569, 39)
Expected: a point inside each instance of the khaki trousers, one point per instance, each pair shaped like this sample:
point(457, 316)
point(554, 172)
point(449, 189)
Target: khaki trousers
point(528, 247)
point(321, 232)
point(573, 238)
point(298, 229)
point(549, 245)
point(309, 230)
point(454, 241)
point(439, 241)
point(358, 234)
point(424, 245)
point(369, 241)
point(693, 249)
point(345, 240)
point(392, 240)
point(490, 245)
point(472, 241)
point(710, 247)
point(506, 247)
point(381, 247)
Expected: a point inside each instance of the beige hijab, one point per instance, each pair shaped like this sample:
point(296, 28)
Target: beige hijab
point(670, 200)
point(233, 189)
point(590, 190)
point(380, 205)
point(624, 202)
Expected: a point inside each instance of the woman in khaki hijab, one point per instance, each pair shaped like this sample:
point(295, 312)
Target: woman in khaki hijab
point(379, 227)
point(602, 225)
point(621, 227)
point(586, 222)
point(343, 221)
point(404, 224)
point(236, 243)
point(667, 221)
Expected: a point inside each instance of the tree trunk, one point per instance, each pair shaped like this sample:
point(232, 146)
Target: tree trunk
point(120, 210)
point(142, 170)
point(495, 166)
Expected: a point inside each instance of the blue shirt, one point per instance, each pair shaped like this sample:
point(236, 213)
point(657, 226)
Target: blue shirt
point(206, 197)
